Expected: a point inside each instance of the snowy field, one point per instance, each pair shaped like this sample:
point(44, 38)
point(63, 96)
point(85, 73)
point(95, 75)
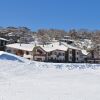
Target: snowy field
point(40, 81)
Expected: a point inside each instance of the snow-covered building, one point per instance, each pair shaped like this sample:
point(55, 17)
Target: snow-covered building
point(54, 52)
point(67, 39)
point(39, 54)
point(24, 50)
point(51, 53)
point(59, 52)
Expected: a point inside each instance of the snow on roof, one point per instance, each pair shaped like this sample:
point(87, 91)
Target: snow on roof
point(54, 46)
point(3, 39)
point(73, 47)
point(26, 47)
point(85, 52)
point(47, 48)
point(70, 46)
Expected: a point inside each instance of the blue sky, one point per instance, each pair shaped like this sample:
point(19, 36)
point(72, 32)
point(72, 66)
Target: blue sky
point(57, 14)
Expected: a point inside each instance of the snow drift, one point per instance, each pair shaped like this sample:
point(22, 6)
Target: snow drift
point(47, 81)
point(11, 57)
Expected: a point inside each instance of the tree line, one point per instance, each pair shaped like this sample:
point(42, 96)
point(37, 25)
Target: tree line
point(26, 35)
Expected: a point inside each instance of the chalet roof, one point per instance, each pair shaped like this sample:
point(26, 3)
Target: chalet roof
point(30, 47)
point(47, 48)
point(70, 46)
point(26, 47)
point(54, 46)
point(76, 48)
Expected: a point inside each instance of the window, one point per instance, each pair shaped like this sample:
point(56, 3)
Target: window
point(39, 59)
point(27, 53)
point(59, 54)
point(4, 43)
point(70, 52)
point(70, 58)
point(77, 59)
point(50, 53)
point(1, 43)
point(63, 54)
point(55, 53)
point(39, 51)
point(51, 58)
point(77, 53)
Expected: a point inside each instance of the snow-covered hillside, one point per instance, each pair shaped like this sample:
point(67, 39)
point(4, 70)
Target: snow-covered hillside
point(48, 81)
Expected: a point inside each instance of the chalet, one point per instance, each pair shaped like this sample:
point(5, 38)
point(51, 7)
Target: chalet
point(58, 52)
point(23, 50)
point(54, 52)
point(39, 54)
point(50, 53)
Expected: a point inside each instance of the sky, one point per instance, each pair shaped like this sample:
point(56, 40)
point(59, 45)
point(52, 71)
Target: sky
point(50, 14)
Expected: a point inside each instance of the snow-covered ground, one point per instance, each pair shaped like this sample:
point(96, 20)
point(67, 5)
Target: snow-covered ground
point(48, 81)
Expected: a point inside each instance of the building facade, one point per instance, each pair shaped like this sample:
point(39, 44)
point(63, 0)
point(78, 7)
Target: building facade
point(54, 52)
point(23, 50)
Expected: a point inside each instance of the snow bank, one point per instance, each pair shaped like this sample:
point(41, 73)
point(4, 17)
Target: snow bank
point(12, 57)
point(17, 68)
point(48, 81)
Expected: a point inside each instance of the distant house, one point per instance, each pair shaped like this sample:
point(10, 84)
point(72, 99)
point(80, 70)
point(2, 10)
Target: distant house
point(3, 42)
point(50, 53)
point(54, 52)
point(23, 50)
point(57, 52)
point(67, 39)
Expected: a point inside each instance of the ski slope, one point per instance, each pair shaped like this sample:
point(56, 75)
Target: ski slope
point(27, 80)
